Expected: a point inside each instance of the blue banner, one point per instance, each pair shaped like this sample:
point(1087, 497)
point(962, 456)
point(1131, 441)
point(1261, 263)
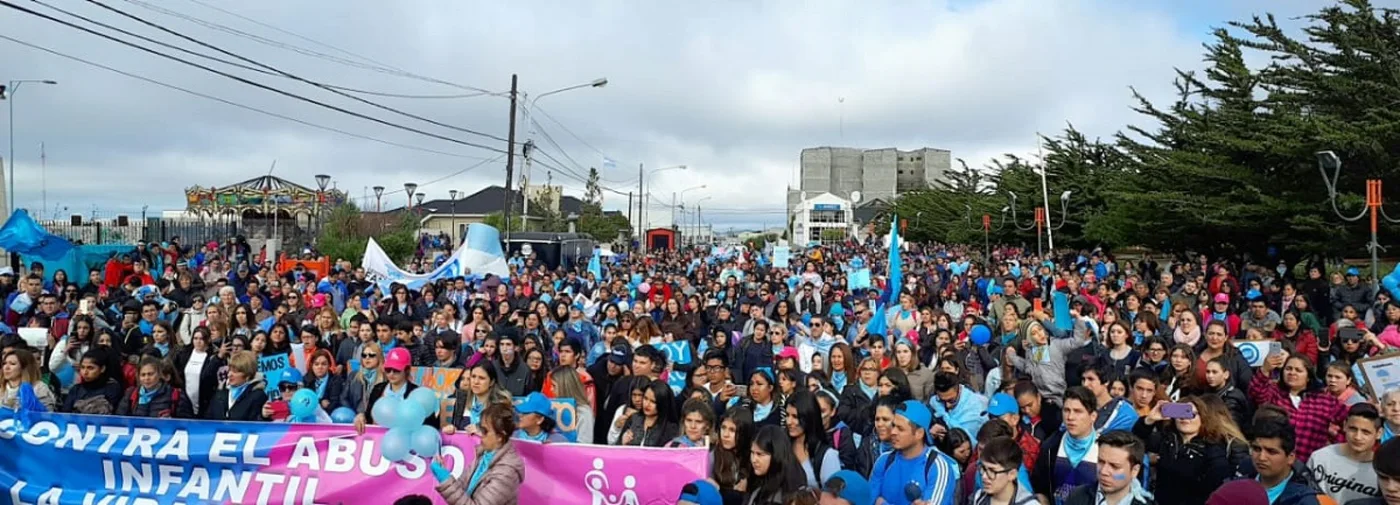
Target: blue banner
point(677, 353)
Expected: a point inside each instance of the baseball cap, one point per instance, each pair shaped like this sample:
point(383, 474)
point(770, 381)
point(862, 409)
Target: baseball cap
point(1222, 298)
point(621, 354)
point(398, 359)
point(916, 413)
point(290, 376)
point(788, 352)
point(1002, 404)
point(700, 492)
point(850, 486)
point(1353, 271)
point(535, 403)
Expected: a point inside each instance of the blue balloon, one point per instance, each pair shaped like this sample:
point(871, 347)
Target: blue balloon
point(980, 335)
point(304, 404)
point(386, 411)
point(396, 445)
point(426, 398)
point(343, 415)
point(426, 441)
point(408, 415)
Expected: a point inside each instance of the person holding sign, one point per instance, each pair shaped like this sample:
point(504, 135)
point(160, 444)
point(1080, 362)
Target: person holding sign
point(537, 421)
point(396, 385)
point(241, 400)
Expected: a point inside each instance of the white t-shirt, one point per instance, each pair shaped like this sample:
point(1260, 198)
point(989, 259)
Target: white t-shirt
point(192, 370)
point(1342, 478)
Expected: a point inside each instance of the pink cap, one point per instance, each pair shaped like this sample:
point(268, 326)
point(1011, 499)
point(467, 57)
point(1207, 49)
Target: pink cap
point(788, 352)
point(398, 359)
point(1222, 298)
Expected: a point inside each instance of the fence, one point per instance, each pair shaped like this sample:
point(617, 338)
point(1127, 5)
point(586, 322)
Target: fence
point(117, 231)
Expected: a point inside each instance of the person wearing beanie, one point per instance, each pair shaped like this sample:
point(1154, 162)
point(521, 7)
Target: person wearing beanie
point(1239, 492)
point(912, 470)
point(847, 487)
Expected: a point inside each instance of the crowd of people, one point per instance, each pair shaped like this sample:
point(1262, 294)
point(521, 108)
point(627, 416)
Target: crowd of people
point(982, 379)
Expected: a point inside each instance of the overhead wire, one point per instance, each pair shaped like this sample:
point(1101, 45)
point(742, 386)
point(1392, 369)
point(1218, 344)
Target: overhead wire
point(377, 66)
point(571, 133)
point(235, 104)
point(280, 72)
point(475, 166)
point(256, 84)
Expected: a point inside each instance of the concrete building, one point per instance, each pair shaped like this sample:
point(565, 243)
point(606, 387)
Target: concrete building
point(824, 218)
point(864, 176)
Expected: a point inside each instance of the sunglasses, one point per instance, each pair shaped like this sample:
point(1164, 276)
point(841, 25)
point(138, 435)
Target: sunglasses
point(368, 355)
point(288, 388)
point(391, 370)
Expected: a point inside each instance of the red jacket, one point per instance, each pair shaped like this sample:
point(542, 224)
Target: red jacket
point(1305, 343)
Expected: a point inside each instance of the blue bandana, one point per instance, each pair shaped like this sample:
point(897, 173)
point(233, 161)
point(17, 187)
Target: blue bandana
point(868, 390)
point(163, 348)
point(1077, 448)
point(838, 380)
point(522, 435)
point(236, 391)
point(144, 395)
point(369, 374)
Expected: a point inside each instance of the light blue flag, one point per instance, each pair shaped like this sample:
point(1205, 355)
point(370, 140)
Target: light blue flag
point(895, 280)
point(595, 264)
point(21, 234)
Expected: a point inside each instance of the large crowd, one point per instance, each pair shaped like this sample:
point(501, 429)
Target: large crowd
point(993, 378)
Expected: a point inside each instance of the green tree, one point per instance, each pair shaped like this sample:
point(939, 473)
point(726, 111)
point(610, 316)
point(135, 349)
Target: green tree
point(497, 221)
point(346, 233)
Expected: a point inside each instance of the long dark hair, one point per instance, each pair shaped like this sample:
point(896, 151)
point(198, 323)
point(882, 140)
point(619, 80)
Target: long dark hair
point(901, 391)
point(809, 418)
point(665, 402)
point(784, 474)
point(733, 466)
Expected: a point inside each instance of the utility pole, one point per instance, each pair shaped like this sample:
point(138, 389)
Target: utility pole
point(44, 178)
point(510, 153)
point(641, 211)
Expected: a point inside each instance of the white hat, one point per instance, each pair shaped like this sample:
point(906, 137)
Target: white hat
point(7, 271)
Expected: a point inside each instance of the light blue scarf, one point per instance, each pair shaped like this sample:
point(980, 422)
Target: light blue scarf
point(1077, 448)
point(761, 411)
point(236, 391)
point(868, 390)
point(144, 395)
point(369, 375)
point(481, 467)
point(321, 386)
point(838, 380)
point(163, 348)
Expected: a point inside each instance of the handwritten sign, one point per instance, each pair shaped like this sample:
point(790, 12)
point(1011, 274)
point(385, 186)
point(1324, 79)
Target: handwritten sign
point(271, 368)
point(677, 381)
point(565, 416)
point(781, 256)
point(677, 353)
point(443, 381)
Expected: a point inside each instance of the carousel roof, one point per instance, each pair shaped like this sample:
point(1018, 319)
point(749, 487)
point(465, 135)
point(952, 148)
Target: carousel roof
point(266, 183)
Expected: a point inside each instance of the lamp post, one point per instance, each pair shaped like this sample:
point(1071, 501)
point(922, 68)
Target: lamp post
point(696, 240)
point(1042, 221)
point(643, 198)
point(682, 197)
point(409, 188)
point(379, 198)
point(987, 228)
point(1329, 160)
point(419, 199)
point(452, 195)
point(322, 180)
point(529, 141)
point(8, 94)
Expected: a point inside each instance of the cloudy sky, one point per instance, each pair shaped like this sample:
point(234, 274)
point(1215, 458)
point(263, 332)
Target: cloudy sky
point(731, 89)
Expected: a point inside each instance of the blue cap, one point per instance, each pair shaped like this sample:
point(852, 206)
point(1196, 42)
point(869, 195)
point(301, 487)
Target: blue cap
point(705, 494)
point(1353, 271)
point(854, 488)
point(916, 413)
point(1002, 404)
point(536, 403)
point(290, 376)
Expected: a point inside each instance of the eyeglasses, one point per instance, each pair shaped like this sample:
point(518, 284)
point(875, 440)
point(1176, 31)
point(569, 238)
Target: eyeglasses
point(368, 355)
point(869, 369)
point(989, 472)
point(715, 368)
point(390, 370)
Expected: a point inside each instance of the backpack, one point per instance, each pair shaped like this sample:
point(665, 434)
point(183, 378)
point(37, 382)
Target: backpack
point(174, 400)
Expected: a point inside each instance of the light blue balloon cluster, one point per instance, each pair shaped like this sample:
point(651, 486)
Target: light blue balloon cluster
point(407, 435)
point(1392, 283)
point(304, 405)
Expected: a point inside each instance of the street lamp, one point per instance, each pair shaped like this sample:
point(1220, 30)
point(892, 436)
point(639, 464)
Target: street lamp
point(409, 188)
point(682, 196)
point(1329, 160)
point(987, 228)
point(322, 180)
point(452, 195)
point(529, 113)
point(1042, 221)
point(8, 93)
point(378, 198)
point(419, 197)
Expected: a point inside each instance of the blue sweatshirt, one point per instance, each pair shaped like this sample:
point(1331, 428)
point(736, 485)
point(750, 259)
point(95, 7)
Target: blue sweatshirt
point(937, 487)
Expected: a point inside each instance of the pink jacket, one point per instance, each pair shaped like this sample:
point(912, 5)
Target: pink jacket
point(500, 485)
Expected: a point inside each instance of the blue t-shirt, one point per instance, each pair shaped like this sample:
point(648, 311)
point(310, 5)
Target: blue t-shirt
point(1277, 491)
point(937, 487)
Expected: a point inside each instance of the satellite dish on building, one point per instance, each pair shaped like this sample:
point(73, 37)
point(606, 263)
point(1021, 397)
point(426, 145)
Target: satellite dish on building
point(855, 196)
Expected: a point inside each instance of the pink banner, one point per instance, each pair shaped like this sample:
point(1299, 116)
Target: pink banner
point(350, 469)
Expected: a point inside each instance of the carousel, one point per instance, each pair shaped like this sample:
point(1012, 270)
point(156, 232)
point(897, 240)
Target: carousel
point(265, 199)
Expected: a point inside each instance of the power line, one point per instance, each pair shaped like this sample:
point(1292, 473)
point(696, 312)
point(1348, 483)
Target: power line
point(236, 104)
point(549, 138)
point(443, 178)
point(377, 66)
point(269, 67)
point(250, 82)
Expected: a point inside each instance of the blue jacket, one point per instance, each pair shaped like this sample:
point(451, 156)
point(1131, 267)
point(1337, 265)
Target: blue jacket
point(937, 486)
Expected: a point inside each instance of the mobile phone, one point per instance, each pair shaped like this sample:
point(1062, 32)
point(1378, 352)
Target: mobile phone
point(280, 409)
point(1178, 411)
point(1038, 305)
point(743, 390)
point(1351, 333)
point(85, 306)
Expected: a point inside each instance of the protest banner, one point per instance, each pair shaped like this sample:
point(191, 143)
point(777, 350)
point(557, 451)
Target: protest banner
point(271, 368)
point(565, 416)
point(781, 256)
point(677, 353)
point(68, 459)
point(443, 381)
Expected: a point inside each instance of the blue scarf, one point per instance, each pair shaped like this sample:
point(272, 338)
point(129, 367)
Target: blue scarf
point(385, 348)
point(321, 386)
point(868, 390)
point(236, 391)
point(369, 375)
point(1219, 316)
point(476, 407)
point(481, 466)
point(1387, 433)
point(761, 411)
point(1006, 338)
point(163, 348)
point(685, 441)
point(522, 435)
point(145, 395)
point(1076, 448)
point(838, 380)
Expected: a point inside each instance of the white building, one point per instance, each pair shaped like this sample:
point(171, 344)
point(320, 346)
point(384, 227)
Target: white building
point(823, 218)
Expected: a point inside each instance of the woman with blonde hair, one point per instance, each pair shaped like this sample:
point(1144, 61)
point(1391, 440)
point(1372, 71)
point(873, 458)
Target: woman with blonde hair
point(357, 388)
point(920, 377)
point(19, 367)
point(1196, 452)
point(567, 385)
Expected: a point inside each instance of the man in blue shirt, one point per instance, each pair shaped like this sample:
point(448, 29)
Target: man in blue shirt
point(1271, 450)
point(913, 472)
